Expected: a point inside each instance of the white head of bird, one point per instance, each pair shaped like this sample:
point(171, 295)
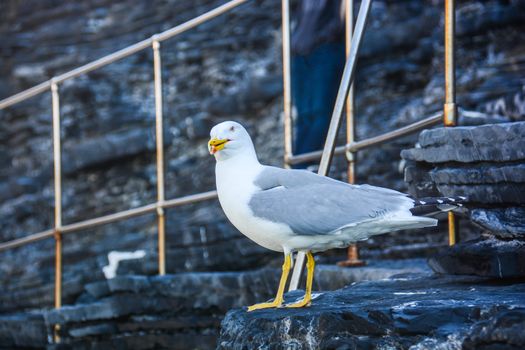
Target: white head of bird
point(230, 140)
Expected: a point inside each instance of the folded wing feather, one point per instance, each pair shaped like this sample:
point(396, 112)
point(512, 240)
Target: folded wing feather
point(312, 205)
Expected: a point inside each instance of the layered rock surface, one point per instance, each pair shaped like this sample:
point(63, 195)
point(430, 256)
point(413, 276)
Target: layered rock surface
point(180, 311)
point(228, 68)
point(416, 312)
point(484, 257)
point(487, 165)
point(484, 163)
point(505, 223)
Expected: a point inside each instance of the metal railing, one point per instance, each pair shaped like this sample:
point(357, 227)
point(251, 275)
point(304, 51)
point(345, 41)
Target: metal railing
point(161, 203)
point(344, 97)
point(448, 116)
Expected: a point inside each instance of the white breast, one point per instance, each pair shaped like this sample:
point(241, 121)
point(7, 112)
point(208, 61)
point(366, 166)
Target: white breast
point(235, 186)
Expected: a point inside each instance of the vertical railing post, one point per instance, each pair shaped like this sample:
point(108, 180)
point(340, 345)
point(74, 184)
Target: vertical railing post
point(450, 108)
point(450, 111)
point(57, 167)
point(350, 101)
point(287, 84)
point(159, 135)
point(353, 251)
point(335, 121)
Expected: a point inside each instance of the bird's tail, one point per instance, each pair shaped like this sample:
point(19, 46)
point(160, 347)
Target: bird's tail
point(434, 205)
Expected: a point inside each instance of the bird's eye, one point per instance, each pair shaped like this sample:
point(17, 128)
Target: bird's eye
point(232, 128)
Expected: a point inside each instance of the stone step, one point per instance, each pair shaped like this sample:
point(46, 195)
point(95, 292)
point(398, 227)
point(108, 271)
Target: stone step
point(467, 144)
point(184, 308)
point(410, 311)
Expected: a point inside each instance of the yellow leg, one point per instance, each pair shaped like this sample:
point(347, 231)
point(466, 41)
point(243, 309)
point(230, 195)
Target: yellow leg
point(310, 266)
point(278, 301)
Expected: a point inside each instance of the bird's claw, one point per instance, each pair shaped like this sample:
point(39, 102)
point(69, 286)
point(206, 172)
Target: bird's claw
point(303, 303)
point(269, 305)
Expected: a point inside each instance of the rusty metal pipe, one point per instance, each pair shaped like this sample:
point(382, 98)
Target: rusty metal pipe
point(57, 166)
point(15, 243)
point(451, 228)
point(107, 219)
point(373, 141)
point(287, 85)
point(58, 281)
point(24, 95)
point(450, 110)
point(350, 101)
point(159, 133)
point(353, 251)
point(58, 270)
point(190, 199)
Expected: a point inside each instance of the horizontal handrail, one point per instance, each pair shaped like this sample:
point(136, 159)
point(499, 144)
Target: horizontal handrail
point(26, 240)
point(199, 197)
point(102, 220)
point(372, 141)
point(125, 52)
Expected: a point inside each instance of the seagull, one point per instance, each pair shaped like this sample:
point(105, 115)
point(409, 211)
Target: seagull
point(291, 210)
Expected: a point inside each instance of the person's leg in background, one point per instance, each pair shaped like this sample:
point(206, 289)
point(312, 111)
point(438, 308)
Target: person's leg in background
point(301, 98)
point(315, 82)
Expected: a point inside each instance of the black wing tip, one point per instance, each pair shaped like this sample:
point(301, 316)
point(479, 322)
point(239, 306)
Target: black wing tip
point(433, 205)
point(456, 200)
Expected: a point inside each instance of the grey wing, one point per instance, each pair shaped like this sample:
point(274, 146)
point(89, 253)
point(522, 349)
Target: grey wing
point(311, 204)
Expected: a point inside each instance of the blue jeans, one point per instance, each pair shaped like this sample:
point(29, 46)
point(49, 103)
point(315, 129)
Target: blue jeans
point(315, 81)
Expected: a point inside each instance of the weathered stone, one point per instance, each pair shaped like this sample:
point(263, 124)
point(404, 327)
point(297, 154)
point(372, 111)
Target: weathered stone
point(487, 175)
point(22, 331)
point(98, 329)
point(133, 284)
point(122, 308)
point(109, 308)
point(403, 311)
point(471, 144)
point(255, 93)
point(199, 126)
point(179, 341)
point(480, 174)
point(171, 323)
point(235, 57)
point(419, 182)
point(472, 20)
point(107, 148)
point(239, 63)
point(501, 193)
point(97, 289)
point(503, 222)
point(501, 331)
point(226, 254)
point(472, 118)
point(39, 292)
point(489, 258)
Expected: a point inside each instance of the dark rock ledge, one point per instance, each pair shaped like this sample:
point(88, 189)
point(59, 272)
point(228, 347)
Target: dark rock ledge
point(410, 311)
point(463, 161)
point(178, 311)
point(490, 257)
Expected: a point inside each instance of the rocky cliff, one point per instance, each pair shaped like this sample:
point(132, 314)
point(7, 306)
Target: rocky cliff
point(180, 311)
point(227, 68)
point(405, 312)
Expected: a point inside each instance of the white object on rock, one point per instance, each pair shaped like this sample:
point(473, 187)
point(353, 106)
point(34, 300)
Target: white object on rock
point(114, 257)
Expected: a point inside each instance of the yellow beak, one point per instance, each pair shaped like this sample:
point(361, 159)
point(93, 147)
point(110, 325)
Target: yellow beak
point(215, 145)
